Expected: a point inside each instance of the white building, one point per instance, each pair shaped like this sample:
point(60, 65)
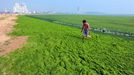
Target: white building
point(20, 9)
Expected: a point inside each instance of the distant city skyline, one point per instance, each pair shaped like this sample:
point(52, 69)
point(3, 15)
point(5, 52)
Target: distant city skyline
point(73, 6)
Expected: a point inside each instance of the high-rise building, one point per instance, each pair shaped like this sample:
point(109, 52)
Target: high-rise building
point(20, 9)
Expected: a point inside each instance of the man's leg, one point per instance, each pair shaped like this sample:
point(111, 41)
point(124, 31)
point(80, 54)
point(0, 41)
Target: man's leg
point(86, 32)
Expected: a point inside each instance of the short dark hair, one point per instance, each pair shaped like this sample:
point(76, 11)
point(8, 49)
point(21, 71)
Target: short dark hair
point(84, 21)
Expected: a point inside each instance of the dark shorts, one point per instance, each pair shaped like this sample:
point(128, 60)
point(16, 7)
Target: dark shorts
point(85, 32)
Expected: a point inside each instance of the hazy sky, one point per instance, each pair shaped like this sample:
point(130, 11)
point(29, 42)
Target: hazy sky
point(104, 6)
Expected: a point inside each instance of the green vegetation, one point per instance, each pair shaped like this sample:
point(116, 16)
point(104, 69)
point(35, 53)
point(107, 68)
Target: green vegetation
point(54, 49)
point(117, 23)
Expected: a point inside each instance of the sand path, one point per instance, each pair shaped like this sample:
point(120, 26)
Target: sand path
point(8, 43)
